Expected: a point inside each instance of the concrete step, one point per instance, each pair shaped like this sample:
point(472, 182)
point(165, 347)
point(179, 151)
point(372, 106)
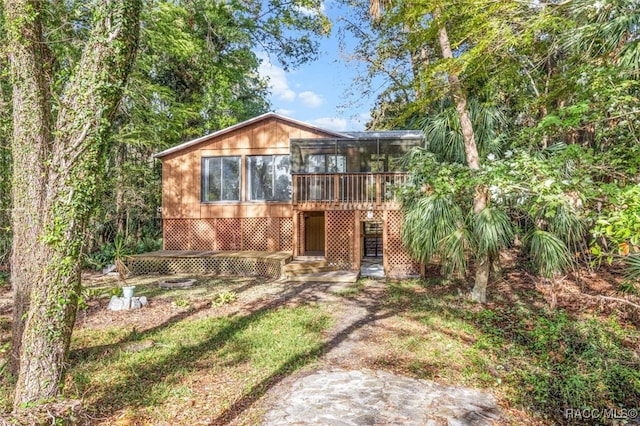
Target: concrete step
point(329, 276)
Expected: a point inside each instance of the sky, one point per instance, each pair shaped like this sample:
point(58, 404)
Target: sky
point(319, 92)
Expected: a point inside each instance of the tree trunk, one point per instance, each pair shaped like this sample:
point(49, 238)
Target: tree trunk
point(483, 263)
point(496, 268)
point(470, 147)
point(30, 144)
point(73, 165)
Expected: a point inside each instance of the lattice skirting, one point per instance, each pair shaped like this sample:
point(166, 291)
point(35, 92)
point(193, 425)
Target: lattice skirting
point(253, 233)
point(219, 265)
point(399, 263)
point(340, 250)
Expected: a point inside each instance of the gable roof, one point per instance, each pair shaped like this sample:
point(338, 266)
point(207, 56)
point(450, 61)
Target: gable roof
point(243, 124)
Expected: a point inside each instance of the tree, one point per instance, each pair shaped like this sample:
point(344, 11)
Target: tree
point(196, 72)
point(433, 15)
point(58, 145)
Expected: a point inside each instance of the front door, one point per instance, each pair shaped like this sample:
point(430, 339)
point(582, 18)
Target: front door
point(314, 234)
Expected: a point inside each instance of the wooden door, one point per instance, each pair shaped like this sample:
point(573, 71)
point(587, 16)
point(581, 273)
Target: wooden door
point(314, 234)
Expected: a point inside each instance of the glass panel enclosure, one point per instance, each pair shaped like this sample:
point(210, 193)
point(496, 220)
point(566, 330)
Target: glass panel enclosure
point(310, 155)
point(349, 155)
point(268, 178)
point(326, 163)
point(220, 179)
point(392, 152)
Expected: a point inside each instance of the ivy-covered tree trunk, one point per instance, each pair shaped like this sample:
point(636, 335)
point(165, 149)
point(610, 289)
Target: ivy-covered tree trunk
point(30, 146)
point(71, 158)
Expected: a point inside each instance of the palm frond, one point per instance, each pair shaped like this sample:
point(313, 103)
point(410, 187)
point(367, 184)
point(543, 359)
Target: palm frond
point(444, 134)
point(632, 264)
point(606, 28)
point(455, 247)
point(567, 224)
point(548, 253)
point(427, 222)
point(492, 230)
point(550, 150)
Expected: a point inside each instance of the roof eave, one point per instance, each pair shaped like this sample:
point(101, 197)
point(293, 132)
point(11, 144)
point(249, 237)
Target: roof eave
point(220, 132)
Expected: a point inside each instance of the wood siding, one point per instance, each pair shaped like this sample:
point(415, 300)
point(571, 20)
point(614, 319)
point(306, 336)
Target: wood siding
point(181, 197)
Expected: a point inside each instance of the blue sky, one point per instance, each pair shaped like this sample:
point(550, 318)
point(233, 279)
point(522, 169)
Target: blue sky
point(319, 92)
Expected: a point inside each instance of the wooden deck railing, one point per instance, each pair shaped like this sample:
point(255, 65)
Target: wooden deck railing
point(351, 189)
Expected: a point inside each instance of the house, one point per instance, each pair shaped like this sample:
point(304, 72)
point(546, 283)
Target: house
point(272, 183)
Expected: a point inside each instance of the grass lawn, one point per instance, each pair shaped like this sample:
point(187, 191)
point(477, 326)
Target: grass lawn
point(208, 355)
point(539, 362)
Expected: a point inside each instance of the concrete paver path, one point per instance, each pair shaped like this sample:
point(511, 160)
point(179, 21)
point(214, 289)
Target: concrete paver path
point(367, 397)
point(341, 393)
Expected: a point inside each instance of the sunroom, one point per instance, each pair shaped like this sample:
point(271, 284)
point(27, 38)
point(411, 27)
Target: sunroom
point(355, 173)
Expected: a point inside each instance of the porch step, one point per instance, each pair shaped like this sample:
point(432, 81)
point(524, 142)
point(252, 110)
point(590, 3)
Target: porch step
point(316, 268)
point(301, 264)
point(306, 265)
point(302, 270)
point(329, 276)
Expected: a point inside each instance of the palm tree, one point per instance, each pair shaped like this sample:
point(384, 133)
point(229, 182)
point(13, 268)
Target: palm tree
point(436, 227)
point(376, 7)
point(607, 29)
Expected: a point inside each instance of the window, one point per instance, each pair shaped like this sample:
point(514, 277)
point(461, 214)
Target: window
point(220, 179)
point(268, 178)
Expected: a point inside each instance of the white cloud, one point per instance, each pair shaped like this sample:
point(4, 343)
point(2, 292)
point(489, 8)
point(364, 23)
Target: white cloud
point(311, 99)
point(285, 112)
point(330, 123)
point(277, 80)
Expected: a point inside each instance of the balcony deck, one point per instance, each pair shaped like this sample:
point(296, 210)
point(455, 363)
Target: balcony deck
point(345, 191)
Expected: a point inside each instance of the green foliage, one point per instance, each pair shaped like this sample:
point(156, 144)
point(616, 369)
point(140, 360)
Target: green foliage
point(108, 252)
point(224, 298)
point(181, 303)
point(492, 230)
point(444, 136)
point(555, 352)
point(629, 287)
point(541, 196)
point(565, 79)
point(617, 227)
point(87, 294)
point(428, 221)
